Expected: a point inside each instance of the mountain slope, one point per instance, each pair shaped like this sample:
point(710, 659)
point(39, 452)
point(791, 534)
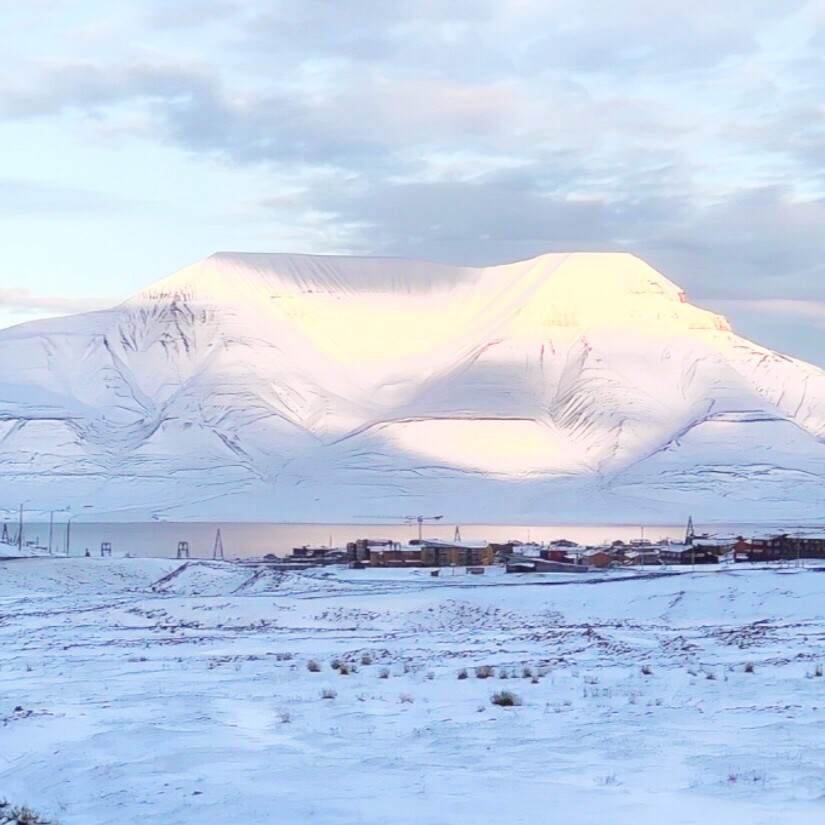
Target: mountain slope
point(314, 388)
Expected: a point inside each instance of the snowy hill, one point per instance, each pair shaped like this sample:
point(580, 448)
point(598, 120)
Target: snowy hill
point(313, 388)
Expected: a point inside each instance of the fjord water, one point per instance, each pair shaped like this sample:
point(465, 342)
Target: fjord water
point(245, 540)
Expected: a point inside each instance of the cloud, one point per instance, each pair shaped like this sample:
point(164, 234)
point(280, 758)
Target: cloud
point(88, 86)
point(351, 128)
point(601, 36)
point(21, 300)
point(765, 241)
point(187, 14)
point(810, 311)
point(471, 131)
point(576, 35)
point(360, 118)
point(516, 211)
point(467, 223)
point(364, 83)
point(426, 35)
point(792, 326)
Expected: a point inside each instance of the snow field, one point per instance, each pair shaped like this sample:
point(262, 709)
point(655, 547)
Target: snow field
point(133, 695)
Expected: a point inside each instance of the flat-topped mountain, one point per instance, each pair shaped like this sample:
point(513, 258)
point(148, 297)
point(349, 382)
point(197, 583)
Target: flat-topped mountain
point(569, 387)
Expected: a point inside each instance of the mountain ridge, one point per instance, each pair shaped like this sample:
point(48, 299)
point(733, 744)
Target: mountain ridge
point(278, 384)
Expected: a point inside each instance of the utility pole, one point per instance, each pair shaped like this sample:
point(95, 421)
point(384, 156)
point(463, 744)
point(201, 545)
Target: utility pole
point(68, 534)
point(51, 529)
point(20, 532)
point(217, 550)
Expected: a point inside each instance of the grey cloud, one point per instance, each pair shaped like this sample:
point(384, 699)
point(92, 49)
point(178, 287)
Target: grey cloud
point(191, 108)
point(185, 14)
point(450, 38)
point(796, 131)
point(330, 22)
point(88, 85)
point(793, 327)
point(466, 223)
point(266, 127)
point(763, 240)
point(651, 36)
point(459, 85)
point(360, 118)
point(444, 38)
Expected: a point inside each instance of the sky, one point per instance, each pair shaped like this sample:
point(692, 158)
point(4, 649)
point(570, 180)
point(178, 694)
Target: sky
point(139, 137)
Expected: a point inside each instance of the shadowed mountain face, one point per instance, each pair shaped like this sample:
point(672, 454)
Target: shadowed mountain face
point(570, 386)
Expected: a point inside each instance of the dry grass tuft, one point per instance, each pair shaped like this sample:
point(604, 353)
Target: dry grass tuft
point(505, 699)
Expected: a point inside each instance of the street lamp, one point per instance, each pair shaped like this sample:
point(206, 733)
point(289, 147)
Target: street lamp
point(20, 528)
point(51, 526)
point(68, 532)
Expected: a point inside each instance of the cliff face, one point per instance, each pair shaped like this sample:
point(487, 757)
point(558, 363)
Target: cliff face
point(573, 386)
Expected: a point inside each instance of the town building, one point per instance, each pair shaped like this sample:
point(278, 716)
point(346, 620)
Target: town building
point(437, 553)
point(597, 557)
point(394, 554)
point(690, 554)
point(643, 556)
point(421, 553)
point(557, 553)
point(781, 547)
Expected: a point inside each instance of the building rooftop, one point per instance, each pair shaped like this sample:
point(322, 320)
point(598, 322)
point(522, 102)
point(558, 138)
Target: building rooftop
point(470, 545)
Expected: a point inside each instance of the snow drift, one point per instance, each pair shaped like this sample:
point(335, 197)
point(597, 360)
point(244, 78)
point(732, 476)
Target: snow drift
point(577, 386)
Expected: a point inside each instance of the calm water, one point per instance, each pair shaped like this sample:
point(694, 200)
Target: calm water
point(242, 540)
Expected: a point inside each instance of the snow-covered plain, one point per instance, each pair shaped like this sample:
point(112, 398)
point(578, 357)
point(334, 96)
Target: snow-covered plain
point(577, 386)
point(134, 691)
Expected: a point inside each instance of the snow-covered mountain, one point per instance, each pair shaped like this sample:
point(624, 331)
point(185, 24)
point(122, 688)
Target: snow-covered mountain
point(289, 387)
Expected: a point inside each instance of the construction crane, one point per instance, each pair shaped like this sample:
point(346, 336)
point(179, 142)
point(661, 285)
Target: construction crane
point(409, 520)
point(420, 520)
